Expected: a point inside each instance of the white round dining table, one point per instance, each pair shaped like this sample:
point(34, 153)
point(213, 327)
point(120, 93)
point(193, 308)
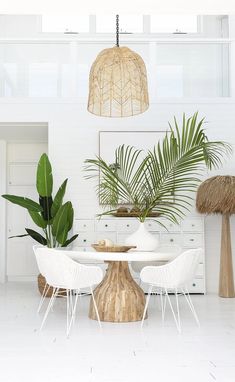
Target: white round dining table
point(121, 256)
point(118, 297)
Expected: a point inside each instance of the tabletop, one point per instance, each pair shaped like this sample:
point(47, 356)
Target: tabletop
point(121, 256)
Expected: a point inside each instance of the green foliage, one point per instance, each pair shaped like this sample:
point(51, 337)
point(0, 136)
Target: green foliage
point(51, 215)
point(163, 180)
point(44, 176)
point(58, 199)
point(24, 202)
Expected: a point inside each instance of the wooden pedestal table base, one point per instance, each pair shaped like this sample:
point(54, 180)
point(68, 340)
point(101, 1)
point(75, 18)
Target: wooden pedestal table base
point(118, 297)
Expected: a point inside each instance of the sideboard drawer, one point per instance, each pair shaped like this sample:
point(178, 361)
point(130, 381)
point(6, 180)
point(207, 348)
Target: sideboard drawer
point(106, 225)
point(171, 238)
point(192, 225)
point(85, 239)
point(152, 225)
point(193, 240)
point(200, 270)
point(197, 286)
point(130, 225)
point(83, 225)
point(170, 227)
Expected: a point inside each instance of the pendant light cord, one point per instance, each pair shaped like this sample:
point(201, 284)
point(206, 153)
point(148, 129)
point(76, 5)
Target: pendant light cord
point(117, 30)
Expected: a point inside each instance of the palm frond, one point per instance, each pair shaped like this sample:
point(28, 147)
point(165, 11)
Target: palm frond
point(163, 178)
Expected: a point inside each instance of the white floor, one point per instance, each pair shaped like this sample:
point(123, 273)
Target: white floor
point(117, 352)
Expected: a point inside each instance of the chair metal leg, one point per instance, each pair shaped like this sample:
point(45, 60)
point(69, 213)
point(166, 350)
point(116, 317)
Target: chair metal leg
point(54, 293)
point(71, 302)
point(95, 306)
point(146, 305)
point(68, 310)
point(173, 312)
point(163, 305)
point(75, 305)
point(190, 304)
point(44, 293)
point(72, 319)
point(178, 311)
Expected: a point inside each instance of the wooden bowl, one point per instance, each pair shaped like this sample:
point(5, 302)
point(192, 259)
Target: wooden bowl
point(117, 248)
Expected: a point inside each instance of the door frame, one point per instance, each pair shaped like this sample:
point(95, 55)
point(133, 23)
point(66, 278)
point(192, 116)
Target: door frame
point(3, 185)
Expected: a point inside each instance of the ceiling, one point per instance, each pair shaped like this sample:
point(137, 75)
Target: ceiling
point(139, 6)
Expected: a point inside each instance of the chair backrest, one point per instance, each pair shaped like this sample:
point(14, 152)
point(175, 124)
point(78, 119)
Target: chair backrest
point(184, 266)
point(178, 272)
point(173, 250)
point(40, 264)
point(59, 269)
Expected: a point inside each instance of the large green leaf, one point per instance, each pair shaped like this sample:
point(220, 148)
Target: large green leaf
point(21, 201)
point(38, 219)
point(36, 236)
point(70, 216)
point(44, 176)
point(12, 237)
point(46, 203)
point(69, 241)
point(63, 234)
point(60, 220)
point(58, 199)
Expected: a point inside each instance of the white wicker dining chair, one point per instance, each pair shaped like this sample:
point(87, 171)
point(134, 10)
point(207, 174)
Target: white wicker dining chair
point(46, 286)
point(61, 272)
point(173, 249)
point(172, 278)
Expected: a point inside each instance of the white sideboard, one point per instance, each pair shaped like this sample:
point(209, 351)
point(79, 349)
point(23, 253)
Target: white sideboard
point(188, 234)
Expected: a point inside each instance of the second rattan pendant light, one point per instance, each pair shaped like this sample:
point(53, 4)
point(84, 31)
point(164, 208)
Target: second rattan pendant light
point(118, 82)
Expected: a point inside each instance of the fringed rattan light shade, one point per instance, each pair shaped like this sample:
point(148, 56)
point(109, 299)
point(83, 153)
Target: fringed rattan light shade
point(216, 195)
point(118, 84)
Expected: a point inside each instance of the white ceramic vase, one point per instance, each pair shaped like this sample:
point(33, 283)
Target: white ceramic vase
point(143, 240)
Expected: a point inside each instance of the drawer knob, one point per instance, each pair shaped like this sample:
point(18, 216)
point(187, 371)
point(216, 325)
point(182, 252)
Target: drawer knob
point(128, 225)
point(171, 240)
point(106, 225)
point(193, 225)
point(191, 239)
point(84, 240)
point(194, 284)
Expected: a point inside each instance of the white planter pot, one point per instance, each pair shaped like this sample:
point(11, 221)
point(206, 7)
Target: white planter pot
point(143, 240)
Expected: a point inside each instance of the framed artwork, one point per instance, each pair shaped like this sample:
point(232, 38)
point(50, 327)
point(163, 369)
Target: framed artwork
point(109, 141)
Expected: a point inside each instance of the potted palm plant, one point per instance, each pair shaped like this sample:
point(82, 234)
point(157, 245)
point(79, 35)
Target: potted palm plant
point(161, 182)
point(50, 214)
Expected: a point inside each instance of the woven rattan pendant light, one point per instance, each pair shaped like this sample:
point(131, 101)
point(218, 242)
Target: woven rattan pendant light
point(118, 82)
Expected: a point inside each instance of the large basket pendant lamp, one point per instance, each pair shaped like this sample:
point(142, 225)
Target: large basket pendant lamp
point(118, 82)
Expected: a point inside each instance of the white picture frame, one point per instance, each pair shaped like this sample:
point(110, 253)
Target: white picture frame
point(109, 141)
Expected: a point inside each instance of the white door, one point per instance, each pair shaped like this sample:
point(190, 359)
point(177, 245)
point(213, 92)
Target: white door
point(21, 172)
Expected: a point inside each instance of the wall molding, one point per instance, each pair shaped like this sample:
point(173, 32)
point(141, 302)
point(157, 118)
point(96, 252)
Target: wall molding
point(3, 183)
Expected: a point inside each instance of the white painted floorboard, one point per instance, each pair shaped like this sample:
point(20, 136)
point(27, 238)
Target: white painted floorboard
point(117, 352)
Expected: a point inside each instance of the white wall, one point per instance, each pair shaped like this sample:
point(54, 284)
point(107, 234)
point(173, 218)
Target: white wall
point(73, 132)
point(73, 137)
point(2, 210)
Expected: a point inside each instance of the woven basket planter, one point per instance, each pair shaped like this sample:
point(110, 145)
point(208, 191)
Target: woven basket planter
point(41, 285)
